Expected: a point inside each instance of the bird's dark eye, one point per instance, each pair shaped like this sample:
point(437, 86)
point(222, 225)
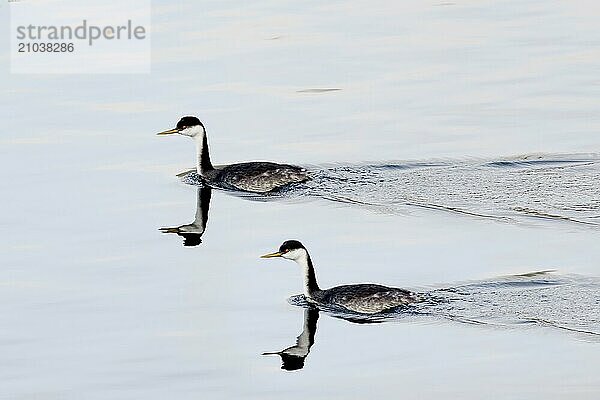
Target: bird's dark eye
point(184, 127)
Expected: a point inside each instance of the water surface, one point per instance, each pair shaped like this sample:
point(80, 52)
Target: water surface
point(459, 151)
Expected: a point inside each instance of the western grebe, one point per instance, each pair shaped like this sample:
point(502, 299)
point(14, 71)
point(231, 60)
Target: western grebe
point(258, 176)
point(363, 298)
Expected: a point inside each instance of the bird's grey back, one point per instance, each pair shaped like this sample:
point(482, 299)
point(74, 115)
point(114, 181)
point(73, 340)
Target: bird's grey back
point(366, 298)
point(259, 176)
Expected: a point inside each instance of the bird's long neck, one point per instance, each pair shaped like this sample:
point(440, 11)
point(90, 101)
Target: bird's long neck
point(310, 280)
point(203, 165)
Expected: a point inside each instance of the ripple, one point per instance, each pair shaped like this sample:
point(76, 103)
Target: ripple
point(545, 189)
point(569, 303)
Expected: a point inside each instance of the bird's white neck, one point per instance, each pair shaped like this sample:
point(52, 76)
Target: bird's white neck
point(308, 272)
point(203, 164)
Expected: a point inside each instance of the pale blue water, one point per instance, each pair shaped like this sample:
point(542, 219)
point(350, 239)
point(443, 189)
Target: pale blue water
point(460, 150)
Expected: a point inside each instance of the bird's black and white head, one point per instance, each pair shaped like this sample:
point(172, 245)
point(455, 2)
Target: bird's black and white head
point(295, 251)
point(187, 126)
point(290, 249)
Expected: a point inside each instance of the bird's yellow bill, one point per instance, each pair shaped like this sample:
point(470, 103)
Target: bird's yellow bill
point(169, 230)
point(271, 255)
point(169, 132)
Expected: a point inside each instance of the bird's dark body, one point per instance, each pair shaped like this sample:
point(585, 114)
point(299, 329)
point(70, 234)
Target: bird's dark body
point(364, 298)
point(259, 176)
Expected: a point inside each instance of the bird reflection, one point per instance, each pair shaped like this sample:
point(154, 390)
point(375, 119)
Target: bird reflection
point(292, 358)
point(192, 233)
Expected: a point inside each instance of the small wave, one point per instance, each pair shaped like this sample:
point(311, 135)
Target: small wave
point(539, 163)
point(546, 188)
point(569, 303)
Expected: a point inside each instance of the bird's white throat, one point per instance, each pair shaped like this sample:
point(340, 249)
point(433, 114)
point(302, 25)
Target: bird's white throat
point(302, 258)
point(203, 164)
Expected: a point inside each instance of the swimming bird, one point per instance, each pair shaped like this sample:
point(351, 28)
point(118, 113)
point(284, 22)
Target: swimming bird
point(365, 298)
point(256, 176)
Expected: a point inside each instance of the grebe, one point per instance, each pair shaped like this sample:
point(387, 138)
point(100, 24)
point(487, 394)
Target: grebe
point(363, 298)
point(257, 176)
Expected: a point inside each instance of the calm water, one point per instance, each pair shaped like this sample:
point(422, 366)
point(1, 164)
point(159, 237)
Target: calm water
point(459, 157)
